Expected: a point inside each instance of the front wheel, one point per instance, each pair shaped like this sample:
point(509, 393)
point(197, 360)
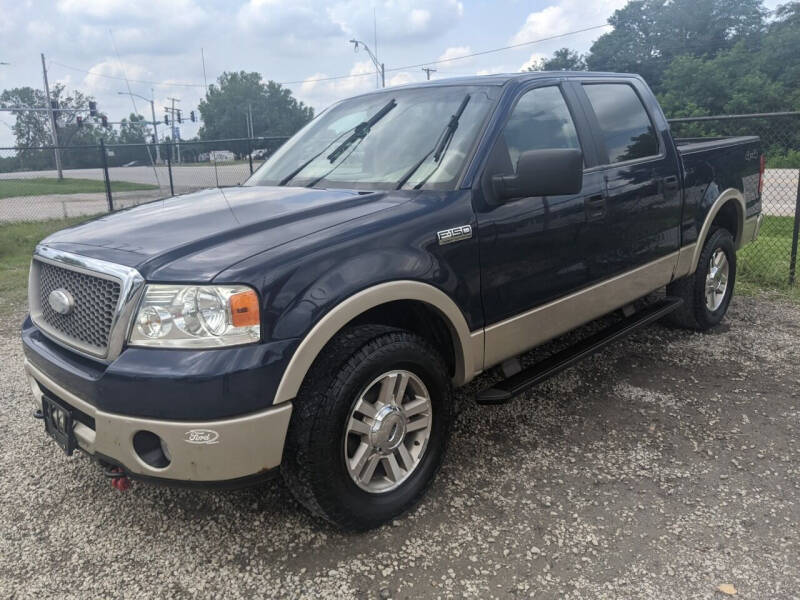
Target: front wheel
point(369, 428)
point(708, 291)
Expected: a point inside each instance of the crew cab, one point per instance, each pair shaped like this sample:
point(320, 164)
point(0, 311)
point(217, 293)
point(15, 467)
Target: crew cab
point(315, 320)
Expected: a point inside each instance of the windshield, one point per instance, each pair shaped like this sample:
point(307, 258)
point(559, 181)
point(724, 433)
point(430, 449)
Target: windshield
point(385, 140)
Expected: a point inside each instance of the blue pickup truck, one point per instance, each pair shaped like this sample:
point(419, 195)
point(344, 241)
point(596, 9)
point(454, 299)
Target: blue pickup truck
point(315, 320)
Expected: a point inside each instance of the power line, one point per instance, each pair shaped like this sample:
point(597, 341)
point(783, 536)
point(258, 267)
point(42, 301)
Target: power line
point(352, 75)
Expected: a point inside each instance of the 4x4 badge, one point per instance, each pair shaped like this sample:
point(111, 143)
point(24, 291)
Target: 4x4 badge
point(456, 234)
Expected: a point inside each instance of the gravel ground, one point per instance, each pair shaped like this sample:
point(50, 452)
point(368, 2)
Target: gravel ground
point(663, 467)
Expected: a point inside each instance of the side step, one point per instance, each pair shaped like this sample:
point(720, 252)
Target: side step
point(505, 390)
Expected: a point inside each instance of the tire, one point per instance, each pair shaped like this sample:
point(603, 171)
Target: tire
point(319, 447)
point(697, 311)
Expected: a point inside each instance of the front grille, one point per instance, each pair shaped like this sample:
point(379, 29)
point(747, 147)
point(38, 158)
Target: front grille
point(96, 299)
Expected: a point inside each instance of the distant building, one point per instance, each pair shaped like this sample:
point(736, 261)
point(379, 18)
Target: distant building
point(216, 155)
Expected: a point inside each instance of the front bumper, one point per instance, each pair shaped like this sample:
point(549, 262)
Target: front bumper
point(199, 451)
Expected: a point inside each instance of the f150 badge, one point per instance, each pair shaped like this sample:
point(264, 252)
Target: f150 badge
point(201, 436)
point(455, 234)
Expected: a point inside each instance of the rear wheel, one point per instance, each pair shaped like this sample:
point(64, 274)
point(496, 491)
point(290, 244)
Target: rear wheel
point(369, 427)
point(708, 291)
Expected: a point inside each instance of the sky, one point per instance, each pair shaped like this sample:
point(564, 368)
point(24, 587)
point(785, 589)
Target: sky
point(94, 45)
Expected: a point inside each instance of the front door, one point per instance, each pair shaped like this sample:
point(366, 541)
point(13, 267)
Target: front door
point(536, 249)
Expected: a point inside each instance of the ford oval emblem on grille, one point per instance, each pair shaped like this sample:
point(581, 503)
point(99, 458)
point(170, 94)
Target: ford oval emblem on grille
point(61, 301)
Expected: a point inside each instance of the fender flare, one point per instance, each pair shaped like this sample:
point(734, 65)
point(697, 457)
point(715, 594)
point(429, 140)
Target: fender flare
point(690, 254)
point(468, 347)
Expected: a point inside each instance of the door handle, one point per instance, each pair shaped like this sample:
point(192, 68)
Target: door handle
point(671, 183)
point(595, 206)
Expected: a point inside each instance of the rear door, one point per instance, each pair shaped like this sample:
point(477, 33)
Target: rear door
point(643, 204)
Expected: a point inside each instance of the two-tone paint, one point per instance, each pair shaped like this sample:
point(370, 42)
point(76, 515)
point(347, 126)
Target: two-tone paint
point(530, 269)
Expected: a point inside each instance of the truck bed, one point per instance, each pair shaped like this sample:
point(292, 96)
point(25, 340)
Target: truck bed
point(712, 165)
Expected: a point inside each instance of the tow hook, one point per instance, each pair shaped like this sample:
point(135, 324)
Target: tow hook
point(119, 480)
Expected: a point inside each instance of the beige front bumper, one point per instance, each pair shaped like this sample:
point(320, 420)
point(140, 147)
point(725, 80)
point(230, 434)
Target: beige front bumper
point(209, 451)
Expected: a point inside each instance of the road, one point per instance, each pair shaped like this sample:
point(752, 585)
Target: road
point(780, 189)
point(663, 467)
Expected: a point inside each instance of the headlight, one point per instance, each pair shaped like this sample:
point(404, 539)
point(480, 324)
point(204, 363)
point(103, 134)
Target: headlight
point(196, 316)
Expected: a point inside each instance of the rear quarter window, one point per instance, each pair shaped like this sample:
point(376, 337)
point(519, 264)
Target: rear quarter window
point(627, 131)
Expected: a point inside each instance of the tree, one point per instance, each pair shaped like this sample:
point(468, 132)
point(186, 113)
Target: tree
point(275, 111)
point(563, 59)
point(649, 34)
point(32, 128)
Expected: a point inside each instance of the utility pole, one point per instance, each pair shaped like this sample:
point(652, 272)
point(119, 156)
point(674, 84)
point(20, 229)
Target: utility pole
point(153, 114)
point(379, 66)
point(250, 120)
point(175, 139)
point(428, 72)
point(52, 121)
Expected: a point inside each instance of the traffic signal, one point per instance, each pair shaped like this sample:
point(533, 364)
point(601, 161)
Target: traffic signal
point(92, 108)
point(191, 116)
point(79, 122)
point(54, 104)
point(166, 119)
point(104, 120)
point(179, 117)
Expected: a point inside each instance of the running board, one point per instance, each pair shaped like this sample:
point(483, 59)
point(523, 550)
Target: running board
point(505, 390)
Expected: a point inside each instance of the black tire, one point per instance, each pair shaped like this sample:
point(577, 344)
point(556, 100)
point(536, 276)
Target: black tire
point(313, 459)
point(694, 313)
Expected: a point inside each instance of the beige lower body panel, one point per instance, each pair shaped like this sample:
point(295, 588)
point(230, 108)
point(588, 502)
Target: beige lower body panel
point(522, 332)
point(750, 229)
point(199, 450)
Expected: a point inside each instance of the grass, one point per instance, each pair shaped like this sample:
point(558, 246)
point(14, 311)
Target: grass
point(764, 264)
point(44, 186)
point(17, 241)
point(789, 160)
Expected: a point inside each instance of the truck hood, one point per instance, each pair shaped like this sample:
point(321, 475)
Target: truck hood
point(195, 236)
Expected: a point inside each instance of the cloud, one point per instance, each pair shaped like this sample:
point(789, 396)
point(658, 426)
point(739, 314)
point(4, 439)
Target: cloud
point(552, 20)
point(322, 93)
point(534, 59)
point(180, 13)
point(298, 20)
point(397, 20)
point(491, 70)
point(454, 52)
point(95, 81)
point(40, 29)
point(401, 78)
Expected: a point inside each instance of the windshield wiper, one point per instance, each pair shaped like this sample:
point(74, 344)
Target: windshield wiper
point(361, 130)
point(439, 149)
point(294, 173)
point(364, 127)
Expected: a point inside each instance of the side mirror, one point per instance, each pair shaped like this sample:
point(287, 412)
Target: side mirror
point(550, 172)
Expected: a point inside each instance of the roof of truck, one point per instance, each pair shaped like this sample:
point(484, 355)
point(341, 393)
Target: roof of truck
point(503, 78)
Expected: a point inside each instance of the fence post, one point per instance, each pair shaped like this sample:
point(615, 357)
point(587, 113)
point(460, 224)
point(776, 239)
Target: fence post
point(104, 160)
point(796, 230)
point(250, 153)
point(169, 170)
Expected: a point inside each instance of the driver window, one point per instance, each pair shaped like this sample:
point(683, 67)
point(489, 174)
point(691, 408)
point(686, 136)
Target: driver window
point(540, 121)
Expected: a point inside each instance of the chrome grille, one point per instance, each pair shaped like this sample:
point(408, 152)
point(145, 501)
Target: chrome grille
point(96, 299)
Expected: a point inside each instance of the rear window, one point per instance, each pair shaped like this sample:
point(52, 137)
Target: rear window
point(627, 130)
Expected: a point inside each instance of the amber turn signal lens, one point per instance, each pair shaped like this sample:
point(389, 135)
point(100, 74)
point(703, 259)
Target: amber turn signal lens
point(244, 309)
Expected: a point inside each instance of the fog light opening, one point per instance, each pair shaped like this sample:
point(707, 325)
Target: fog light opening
point(151, 449)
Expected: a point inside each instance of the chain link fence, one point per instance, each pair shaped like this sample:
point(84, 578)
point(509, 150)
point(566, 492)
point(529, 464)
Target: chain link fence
point(770, 260)
point(102, 178)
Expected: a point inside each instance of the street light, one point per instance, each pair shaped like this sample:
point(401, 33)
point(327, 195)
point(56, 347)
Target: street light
point(378, 65)
point(153, 113)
